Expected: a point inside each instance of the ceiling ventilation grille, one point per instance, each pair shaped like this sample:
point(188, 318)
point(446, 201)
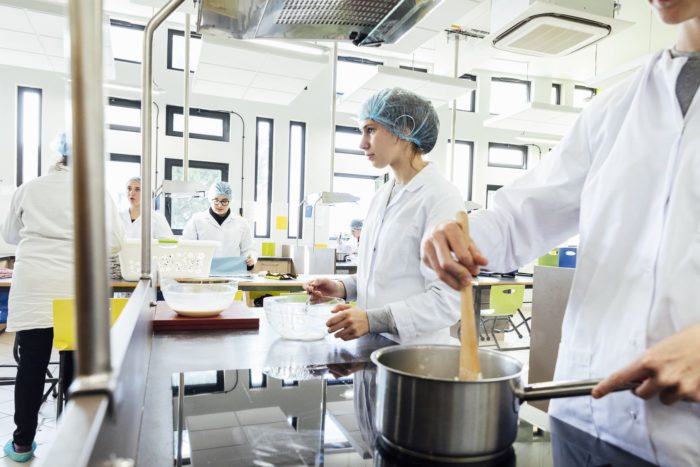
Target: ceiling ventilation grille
point(363, 13)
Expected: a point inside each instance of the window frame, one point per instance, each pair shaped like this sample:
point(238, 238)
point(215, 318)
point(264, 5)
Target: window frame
point(413, 68)
point(472, 109)
point(171, 34)
point(119, 23)
point(471, 165)
point(127, 103)
point(349, 130)
point(269, 178)
point(502, 79)
point(300, 226)
point(557, 87)
point(490, 188)
point(172, 110)
point(171, 162)
point(523, 148)
point(20, 129)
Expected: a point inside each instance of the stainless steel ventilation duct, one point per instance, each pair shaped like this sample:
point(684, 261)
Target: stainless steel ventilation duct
point(364, 22)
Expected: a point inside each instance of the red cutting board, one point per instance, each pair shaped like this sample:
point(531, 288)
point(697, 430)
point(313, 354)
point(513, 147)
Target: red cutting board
point(237, 316)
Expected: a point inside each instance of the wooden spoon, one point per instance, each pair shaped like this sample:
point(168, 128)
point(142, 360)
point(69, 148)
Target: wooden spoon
point(469, 368)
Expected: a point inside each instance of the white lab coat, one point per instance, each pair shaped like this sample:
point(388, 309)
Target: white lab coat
point(234, 234)
point(627, 178)
point(390, 271)
point(40, 223)
point(159, 225)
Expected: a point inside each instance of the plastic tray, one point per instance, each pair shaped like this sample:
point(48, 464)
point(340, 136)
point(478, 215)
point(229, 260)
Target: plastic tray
point(175, 258)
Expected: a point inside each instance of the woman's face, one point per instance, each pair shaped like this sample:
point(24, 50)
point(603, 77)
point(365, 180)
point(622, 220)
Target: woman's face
point(676, 11)
point(220, 204)
point(381, 147)
point(133, 193)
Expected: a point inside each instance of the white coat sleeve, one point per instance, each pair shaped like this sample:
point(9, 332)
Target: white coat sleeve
point(247, 246)
point(190, 230)
point(115, 227)
point(13, 222)
point(437, 307)
point(162, 228)
point(539, 210)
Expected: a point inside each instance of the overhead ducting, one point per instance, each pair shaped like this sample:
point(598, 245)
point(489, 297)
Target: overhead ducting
point(364, 22)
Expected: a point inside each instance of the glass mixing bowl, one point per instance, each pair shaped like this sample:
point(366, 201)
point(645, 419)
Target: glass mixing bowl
point(198, 299)
point(293, 318)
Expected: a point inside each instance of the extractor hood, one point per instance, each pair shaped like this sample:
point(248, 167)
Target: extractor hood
point(364, 22)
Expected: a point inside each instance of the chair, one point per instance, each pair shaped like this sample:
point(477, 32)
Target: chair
point(505, 301)
point(64, 335)
point(11, 380)
point(551, 258)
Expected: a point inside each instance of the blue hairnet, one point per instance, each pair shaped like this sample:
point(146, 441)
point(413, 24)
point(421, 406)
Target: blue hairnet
point(220, 189)
point(60, 144)
point(356, 224)
point(405, 114)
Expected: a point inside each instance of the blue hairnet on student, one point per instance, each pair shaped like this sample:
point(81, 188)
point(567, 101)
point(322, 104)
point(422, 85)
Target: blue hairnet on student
point(220, 189)
point(405, 114)
point(356, 224)
point(60, 144)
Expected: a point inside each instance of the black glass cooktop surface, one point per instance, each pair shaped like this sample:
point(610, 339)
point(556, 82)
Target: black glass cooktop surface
point(323, 415)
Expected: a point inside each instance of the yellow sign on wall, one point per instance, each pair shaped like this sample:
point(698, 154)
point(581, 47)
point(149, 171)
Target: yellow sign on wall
point(281, 223)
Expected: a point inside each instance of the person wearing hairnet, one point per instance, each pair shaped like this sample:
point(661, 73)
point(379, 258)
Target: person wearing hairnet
point(396, 294)
point(352, 245)
point(220, 224)
point(40, 223)
point(626, 178)
point(131, 216)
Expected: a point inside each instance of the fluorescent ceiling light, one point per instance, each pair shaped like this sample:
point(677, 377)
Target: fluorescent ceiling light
point(537, 139)
point(125, 87)
point(328, 198)
point(303, 48)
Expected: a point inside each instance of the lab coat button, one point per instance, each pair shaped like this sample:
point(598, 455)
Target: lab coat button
point(633, 414)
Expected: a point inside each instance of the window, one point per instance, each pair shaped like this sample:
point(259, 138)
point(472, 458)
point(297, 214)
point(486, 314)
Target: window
point(257, 379)
point(352, 174)
point(583, 95)
point(295, 190)
point(179, 210)
point(462, 167)
point(127, 41)
point(413, 68)
point(352, 71)
point(204, 124)
point(28, 134)
point(510, 156)
point(467, 103)
point(176, 50)
point(490, 191)
point(123, 114)
point(508, 94)
point(555, 97)
point(263, 175)
point(119, 169)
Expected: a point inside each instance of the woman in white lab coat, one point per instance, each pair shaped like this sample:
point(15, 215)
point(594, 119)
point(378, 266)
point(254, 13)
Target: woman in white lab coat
point(626, 178)
point(352, 245)
point(396, 294)
point(131, 216)
point(40, 223)
point(220, 224)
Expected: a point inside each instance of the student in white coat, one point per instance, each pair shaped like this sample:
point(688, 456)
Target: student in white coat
point(220, 224)
point(131, 216)
point(396, 294)
point(625, 178)
point(352, 245)
point(40, 223)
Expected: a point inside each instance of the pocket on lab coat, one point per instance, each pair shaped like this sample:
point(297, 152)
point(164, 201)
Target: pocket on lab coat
point(573, 363)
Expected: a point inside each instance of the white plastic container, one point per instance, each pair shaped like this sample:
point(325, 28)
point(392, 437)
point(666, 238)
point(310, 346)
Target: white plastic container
point(174, 258)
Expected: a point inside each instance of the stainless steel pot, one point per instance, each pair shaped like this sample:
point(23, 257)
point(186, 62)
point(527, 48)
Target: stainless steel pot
point(424, 410)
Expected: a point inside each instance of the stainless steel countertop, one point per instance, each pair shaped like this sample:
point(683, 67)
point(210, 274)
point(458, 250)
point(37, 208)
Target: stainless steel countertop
point(175, 352)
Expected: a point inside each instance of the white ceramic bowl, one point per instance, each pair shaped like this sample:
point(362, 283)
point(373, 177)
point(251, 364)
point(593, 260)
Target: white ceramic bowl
point(199, 300)
point(291, 318)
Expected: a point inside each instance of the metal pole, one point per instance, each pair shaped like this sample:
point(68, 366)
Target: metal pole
point(89, 213)
point(186, 104)
point(453, 130)
point(146, 132)
point(334, 79)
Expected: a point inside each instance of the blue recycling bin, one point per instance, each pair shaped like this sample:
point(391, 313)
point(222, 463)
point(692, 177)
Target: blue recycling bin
point(567, 257)
point(4, 294)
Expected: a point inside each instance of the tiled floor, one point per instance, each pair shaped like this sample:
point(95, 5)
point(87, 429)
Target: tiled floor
point(47, 414)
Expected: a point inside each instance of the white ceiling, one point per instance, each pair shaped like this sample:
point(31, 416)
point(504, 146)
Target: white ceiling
point(537, 117)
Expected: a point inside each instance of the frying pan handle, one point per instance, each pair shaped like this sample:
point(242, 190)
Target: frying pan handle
point(558, 389)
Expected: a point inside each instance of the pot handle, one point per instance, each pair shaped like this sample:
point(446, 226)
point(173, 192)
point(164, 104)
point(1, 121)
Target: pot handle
point(558, 389)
